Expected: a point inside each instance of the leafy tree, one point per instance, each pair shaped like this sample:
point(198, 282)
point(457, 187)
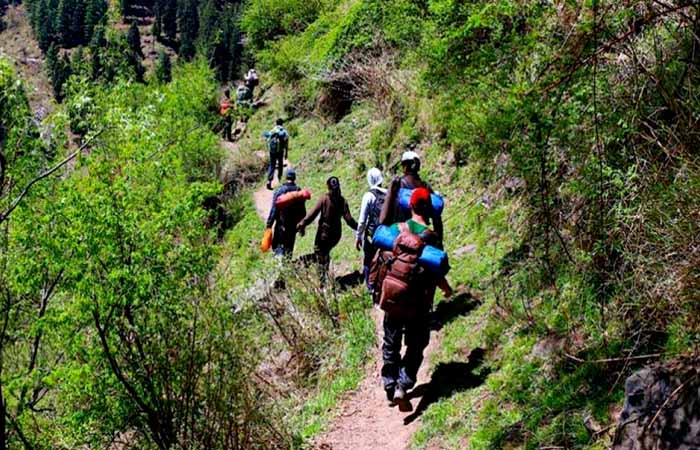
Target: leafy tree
point(163, 68)
point(133, 38)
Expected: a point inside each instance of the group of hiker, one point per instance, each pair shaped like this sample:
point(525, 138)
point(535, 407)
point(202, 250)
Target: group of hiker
point(243, 104)
point(400, 233)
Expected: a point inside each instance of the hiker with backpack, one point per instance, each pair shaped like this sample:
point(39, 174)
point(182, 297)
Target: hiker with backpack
point(407, 292)
point(392, 212)
point(331, 207)
point(251, 81)
point(244, 96)
point(226, 111)
point(278, 145)
point(372, 204)
point(286, 218)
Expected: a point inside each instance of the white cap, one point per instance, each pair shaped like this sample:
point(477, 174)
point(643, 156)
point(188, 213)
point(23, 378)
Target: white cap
point(374, 177)
point(409, 156)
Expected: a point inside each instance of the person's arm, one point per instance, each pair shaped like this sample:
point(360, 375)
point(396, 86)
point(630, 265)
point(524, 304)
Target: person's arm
point(364, 216)
point(311, 216)
point(273, 210)
point(392, 196)
point(445, 287)
point(438, 228)
point(352, 223)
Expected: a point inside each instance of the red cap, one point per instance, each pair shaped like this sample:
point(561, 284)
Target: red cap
point(419, 196)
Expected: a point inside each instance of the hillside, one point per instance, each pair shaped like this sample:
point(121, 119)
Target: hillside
point(139, 312)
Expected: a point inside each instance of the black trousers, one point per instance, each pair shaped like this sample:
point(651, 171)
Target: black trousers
point(276, 162)
point(415, 333)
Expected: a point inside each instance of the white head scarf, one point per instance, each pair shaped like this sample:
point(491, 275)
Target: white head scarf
point(374, 177)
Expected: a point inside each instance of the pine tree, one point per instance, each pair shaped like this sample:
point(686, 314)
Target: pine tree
point(76, 34)
point(156, 27)
point(125, 7)
point(51, 60)
point(209, 28)
point(133, 38)
point(94, 15)
point(163, 68)
point(64, 21)
point(189, 27)
point(169, 17)
point(44, 28)
point(97, 43)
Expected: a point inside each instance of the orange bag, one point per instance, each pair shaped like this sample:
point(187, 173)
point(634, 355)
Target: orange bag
point(266, 243)
point(289, 198)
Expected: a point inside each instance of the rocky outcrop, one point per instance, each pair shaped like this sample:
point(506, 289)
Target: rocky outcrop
point(662, 408)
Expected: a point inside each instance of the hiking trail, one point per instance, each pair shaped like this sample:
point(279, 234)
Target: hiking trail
point(365, 420)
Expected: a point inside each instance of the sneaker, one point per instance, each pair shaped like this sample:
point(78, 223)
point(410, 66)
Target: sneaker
point(269, 185)
point(401, 399)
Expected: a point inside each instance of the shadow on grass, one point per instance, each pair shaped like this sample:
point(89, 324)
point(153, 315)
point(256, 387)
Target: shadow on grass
point(448, 379)
point(447, 311)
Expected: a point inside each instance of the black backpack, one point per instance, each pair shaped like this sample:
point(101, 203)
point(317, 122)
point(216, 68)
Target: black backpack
point(374, 212)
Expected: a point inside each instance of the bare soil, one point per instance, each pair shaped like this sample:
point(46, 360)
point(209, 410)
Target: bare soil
point(365, 420)
point(18, 45)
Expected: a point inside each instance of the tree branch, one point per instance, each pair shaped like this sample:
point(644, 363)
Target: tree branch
point(46, 174)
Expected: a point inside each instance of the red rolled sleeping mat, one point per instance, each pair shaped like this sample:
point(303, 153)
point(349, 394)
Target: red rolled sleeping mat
point(290, 198)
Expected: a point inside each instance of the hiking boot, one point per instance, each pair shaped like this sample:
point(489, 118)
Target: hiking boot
point(269, 185)
point(401, 399)
point(390, 396)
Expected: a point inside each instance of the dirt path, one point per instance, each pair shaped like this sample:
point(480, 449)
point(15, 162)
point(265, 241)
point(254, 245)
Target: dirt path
point(262, 197)
point(366, 422)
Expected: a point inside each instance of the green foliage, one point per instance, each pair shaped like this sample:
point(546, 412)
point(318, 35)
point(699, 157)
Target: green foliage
point(267, 20)
point(163, 69)
point(133, 38)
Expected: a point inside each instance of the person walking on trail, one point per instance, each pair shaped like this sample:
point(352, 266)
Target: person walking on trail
point(226, 112)
point(372, 203)
point(407, 299)
point(244, 96)
point(391, 213)
point(278, 145)
point(251, 81)
point(331, 207)
point(285, 219)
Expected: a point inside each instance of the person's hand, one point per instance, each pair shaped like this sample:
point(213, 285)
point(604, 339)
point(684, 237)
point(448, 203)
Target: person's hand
point(447, 291)
point(358, 244)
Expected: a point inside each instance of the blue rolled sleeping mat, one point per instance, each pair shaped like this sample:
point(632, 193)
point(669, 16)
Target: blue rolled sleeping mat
point(432, 258)
point(405, 200)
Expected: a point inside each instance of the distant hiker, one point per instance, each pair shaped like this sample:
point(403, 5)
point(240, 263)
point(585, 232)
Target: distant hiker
point(226, 111)
point(372, 204)
point(392, 213)
point(407, 298)
point(285, 219)
point(251, 81)
point(278, 145)
point(244, 96)
point(332, 206)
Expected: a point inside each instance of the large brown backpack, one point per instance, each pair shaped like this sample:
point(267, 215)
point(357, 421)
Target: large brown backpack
point(404, 282)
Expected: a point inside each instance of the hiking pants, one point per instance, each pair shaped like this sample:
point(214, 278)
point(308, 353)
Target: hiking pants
point(228, 124)
point(276, 161)
point(369, 251)
point(415, 332)
point(285, 246)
